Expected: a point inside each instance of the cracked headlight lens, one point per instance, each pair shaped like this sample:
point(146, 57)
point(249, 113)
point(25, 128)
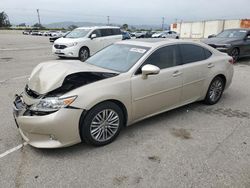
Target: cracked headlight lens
point(51, 104)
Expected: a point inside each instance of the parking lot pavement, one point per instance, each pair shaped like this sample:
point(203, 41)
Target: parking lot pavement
point(192, 146)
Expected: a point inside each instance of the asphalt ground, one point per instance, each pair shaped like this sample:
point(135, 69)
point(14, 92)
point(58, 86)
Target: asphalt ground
point(192, 146)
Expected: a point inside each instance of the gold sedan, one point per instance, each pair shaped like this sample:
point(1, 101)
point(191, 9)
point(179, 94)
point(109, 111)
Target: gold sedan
point(66, 102)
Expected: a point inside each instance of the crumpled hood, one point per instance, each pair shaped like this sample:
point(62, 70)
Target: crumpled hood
point(50, 75)
point(219, 40)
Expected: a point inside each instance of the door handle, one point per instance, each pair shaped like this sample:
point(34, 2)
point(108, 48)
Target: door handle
point(176, 73)
point(210, 65)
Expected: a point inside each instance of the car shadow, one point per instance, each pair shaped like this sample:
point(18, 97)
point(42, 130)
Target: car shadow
point(83, 149)
point(67, 58)
point(243, 61)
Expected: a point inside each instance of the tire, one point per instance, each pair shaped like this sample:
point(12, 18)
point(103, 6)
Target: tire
point(83, 54)
point(215, 91)
point(62, 57)
point(97, 132)
point(177, 37)
point(235, 53)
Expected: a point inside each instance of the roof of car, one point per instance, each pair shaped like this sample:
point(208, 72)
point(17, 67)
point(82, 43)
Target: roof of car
point(154, 42)
point(246, 29)
point(99, 27)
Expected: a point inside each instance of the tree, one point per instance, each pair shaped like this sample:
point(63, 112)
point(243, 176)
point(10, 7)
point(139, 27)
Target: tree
point(71, 27)
point(125, 26)
point(37, 25)
point(4, 20)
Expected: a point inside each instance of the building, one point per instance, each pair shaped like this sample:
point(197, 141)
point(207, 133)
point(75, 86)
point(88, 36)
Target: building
point(203, 29)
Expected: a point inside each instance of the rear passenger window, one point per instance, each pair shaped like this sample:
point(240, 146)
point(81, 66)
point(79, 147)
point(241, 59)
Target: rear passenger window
point(192, 53)
point(207, 53)
point(116, 32)
point(165, 57)
point(106, 32)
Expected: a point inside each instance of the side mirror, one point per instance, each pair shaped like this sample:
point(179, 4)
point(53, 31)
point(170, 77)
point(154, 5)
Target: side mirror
point(149, 70)
point(93, 36)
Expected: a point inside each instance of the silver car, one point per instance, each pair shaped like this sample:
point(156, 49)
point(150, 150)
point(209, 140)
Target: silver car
point(66, 102)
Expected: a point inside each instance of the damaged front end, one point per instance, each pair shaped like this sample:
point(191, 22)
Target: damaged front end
point(33, 103)
point(45, 115)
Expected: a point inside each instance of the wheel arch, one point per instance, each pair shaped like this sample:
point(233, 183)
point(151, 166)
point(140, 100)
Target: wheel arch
point(204, 92)
point(82, 48)
point(117, 102)
point(223, 78)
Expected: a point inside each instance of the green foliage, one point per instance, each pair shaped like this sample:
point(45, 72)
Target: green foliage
point(4, 20)
point(37, 25)
point(125, 26)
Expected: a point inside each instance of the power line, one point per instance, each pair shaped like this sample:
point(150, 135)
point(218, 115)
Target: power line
point(38, 16)
point(108, 19)
point(163, 20)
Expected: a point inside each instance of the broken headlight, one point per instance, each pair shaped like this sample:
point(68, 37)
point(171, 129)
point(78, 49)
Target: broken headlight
point(52, 104)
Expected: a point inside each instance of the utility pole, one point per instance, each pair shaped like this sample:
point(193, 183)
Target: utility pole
point(38, 16)
point(108, 19)
point(163, 20)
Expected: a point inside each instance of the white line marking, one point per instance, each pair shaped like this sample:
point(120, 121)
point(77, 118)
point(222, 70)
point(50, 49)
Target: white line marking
point(2, 81)
point(29, 48)
point(19, 77)
point(15, 78)
point(13, 149)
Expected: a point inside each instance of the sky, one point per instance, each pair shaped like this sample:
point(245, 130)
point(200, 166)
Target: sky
point(132, 12)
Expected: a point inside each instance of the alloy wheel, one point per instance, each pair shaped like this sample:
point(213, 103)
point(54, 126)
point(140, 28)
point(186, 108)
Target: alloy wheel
point(235, 54)
point(216, 90)
point(84, 54)
point(104, 125)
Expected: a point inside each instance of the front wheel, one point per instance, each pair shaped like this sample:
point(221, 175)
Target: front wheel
point(83, 54)
point(102, 124)
point(215, 91)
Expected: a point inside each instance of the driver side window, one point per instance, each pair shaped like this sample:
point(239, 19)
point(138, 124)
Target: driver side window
point(165, 57)
point(97, 32)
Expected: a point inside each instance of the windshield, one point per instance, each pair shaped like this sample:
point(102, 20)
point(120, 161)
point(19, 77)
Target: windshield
point(78, 33)
point(232, 34)
point(118, 57)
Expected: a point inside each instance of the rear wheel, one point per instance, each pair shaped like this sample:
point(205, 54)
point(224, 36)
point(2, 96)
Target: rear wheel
point(235, 53)
point(83, 54)
point(215, 91)
point(102, 124)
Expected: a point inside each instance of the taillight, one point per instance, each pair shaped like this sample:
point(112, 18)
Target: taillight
point(231, 61)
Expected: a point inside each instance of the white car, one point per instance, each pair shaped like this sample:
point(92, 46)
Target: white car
point(157, 35)
point(166, 34)
point(46, 33)
point(84, 42)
